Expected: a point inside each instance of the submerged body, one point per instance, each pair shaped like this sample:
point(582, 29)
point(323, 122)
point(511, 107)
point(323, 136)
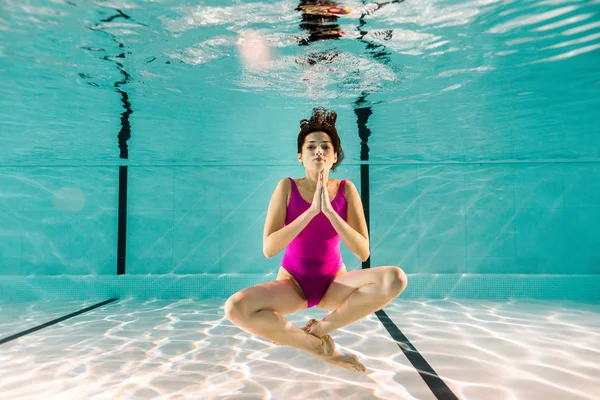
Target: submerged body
point(313, 258)
point(312, 271)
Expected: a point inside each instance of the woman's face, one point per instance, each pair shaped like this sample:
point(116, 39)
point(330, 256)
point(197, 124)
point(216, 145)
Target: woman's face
point(317, 152)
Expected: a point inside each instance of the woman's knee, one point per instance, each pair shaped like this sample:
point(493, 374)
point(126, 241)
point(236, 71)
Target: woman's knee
point(396, 280)
point(236, 307)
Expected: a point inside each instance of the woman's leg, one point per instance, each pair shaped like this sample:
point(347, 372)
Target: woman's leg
point(356, 294)
point(260, 310)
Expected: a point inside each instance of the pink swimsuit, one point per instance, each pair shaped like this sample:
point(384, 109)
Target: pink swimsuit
point(313, 257)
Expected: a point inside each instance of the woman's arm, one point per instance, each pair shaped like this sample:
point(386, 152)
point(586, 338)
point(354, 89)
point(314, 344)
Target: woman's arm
point(277, 236)
point(353, 233)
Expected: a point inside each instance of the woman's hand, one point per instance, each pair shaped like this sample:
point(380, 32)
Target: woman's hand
point(326, 206)
point(315, 206)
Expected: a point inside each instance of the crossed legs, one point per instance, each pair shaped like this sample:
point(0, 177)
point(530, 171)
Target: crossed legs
point(352, 295)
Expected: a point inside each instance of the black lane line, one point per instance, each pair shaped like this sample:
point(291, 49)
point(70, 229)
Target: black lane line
point(362, 117)
point(122, 223)
point(124, 133)
point(439, 388)
point(56, 321)
point(364, 195)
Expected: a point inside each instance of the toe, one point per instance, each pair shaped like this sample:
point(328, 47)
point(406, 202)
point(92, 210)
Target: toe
point(310, 323)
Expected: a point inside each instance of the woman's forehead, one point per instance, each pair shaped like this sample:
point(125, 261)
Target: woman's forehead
point(317, 136)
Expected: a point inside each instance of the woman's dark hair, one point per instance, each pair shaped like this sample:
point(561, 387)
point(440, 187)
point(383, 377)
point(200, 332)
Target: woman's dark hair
point(322, 121)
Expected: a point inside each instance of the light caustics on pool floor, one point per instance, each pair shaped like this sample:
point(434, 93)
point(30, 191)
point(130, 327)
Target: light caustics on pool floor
point(187, 349)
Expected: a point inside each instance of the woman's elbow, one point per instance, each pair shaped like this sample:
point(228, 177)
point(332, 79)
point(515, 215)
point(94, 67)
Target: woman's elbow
point(267, 254)
point(365, 256)
point(365, 250)
point(266, 249)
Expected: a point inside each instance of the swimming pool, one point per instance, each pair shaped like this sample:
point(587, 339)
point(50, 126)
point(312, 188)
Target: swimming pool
point(140, 154)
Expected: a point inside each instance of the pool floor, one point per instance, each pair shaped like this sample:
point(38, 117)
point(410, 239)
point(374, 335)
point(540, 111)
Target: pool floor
point(186, 349)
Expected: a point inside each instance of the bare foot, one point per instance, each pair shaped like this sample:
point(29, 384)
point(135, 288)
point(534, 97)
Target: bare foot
point(309, 327)
point(328, 353)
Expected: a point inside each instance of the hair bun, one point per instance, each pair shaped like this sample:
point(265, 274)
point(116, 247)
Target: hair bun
point(320, 116)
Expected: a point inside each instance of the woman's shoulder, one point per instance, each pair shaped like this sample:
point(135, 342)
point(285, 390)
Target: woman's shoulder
point(284, 187)
point(350, 191)
point(285, 183)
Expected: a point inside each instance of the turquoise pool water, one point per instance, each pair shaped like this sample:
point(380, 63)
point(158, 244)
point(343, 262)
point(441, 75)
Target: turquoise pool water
point(477, 120)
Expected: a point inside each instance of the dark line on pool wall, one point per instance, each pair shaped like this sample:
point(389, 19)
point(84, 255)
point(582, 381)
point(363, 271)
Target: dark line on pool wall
point(123, 136)
point(363, 111)
point(436, 384)
point(364, 195)
point(363, 114)
point(53, 322)
point(122, 223)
